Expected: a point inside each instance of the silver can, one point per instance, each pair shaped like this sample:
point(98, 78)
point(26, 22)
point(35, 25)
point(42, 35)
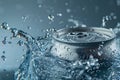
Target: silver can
point(82, 42)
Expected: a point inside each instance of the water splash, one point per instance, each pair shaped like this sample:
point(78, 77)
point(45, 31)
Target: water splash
point(39, 64)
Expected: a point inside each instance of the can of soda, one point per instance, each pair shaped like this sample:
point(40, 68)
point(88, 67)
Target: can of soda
point(81, 42)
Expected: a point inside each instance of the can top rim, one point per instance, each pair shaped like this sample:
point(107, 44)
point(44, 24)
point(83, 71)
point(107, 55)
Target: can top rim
point(83, 29)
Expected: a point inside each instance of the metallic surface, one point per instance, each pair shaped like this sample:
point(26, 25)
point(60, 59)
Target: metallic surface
point(74, 50)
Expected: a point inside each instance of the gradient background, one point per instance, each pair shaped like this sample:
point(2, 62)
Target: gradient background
point(32, 16)
point(22, 14)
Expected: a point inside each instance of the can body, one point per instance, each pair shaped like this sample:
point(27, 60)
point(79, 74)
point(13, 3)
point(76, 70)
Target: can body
point(81, 43)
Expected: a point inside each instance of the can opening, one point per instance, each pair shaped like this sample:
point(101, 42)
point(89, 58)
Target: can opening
point(78, 35)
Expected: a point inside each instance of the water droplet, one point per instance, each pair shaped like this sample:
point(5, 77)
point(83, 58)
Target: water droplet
point(41, 20)
point(72, 33)
point(9, 42)
point(4, 70)
point(102, 43)
point(28, 27)
point(71, 53)
point(24, 18)
point(4, 41)
point(51, 17)
point(118, 24)
point(91, 57)
point(83, 25)
point(109, 20)
point(17, 60)
point(3, 52)
point(74, 22)
point(20, 43)
point(39, 5)
point(3, 57)
point(66, 4)
point(55, 49)
point(86, 67)
point(99, 53)
point(65, 47)
point(59, 14)
point(15, 32)
point(83, 9)
point(68, 49)
point(68, 10)
point(5, 26)
point(118, 2)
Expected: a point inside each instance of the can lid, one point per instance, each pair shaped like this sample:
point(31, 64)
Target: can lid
point(83, 35)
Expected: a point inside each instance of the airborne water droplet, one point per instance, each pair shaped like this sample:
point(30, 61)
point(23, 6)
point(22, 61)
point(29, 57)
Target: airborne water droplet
point(59, 14)
point(51, 17)
point(39, 5)
point(20, 43)
point(118, 2)
point(4, 41)
point(68, 10)
point(5, 26)
point(76, 22)
point(3, 57)
point(3, 52)
point(28, 27)
point(66, 4)
point(9, 42)
point(68, 49)
point(40, 20)
point(15, 32)
point(24, 18)
point(99, 53)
